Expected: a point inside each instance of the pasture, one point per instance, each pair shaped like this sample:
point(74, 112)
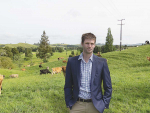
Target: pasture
point(32, 92)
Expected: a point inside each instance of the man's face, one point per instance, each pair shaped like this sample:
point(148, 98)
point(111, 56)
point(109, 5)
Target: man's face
point(88, 46)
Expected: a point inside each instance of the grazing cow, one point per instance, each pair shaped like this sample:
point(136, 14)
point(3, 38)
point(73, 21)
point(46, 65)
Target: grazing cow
point(41, 63)
point(40, 66)
point(28, 65)
point(146, 42)
point(64, 70)
point(23, 69)
point(98, 54)
point(44, 71)
point(56, 70)
point(1, 80)
point(64, 61)
point(61, 57)
point(148, 58)
point(14, 76)
point(47, 68)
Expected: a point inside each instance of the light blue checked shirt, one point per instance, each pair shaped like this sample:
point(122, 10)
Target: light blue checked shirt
point(86, 69)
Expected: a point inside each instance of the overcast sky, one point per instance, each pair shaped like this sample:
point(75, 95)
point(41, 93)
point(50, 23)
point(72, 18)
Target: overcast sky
point(64, 21)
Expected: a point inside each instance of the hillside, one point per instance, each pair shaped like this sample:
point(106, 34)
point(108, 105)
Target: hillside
point(26, 45)
point(32, 92)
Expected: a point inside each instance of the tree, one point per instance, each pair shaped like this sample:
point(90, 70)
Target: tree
point(8, 52)
point(53, 49)
point(21, 49)
point(2, 52)
point(109, 41)
point(97, 49)
point(103, 49)
point(18, 60)
point(28, 54)
point(72, 52)
point(15, 52)
point(44, 49)
point(6, 62)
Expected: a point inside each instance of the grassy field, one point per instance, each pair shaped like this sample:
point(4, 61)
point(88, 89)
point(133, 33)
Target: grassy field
point(35, 93)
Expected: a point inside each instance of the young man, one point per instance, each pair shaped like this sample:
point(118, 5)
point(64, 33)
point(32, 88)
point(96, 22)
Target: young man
point(84, 75)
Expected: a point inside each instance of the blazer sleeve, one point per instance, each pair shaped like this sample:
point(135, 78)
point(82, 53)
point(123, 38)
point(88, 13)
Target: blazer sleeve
point(68, 84)
point(106, 84)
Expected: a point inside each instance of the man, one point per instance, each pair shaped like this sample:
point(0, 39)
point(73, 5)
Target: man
point(84, 76)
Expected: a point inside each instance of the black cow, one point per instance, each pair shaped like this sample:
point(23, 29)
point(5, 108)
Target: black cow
point(44, 71)
point(146, 42)
point(40, 66)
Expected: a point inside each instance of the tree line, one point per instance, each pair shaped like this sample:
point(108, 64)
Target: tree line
point(44, 51)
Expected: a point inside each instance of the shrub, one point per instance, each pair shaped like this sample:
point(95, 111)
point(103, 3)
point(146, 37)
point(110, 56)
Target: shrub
point(70, 55)
point(32, 63)
point(26, 58)
point(45, 60)
point(6, 62)
point(51, 53)
point(72, 52)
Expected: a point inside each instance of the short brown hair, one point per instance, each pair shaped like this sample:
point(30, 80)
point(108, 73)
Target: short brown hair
point(88, 36)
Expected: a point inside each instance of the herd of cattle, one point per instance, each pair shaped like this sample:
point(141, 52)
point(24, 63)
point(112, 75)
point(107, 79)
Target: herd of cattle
point(55, 70)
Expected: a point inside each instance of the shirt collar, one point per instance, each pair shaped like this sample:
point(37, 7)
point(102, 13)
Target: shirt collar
point(81, 57)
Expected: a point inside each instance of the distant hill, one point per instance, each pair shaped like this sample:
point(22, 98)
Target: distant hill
point(138, 44)
point(26, 45)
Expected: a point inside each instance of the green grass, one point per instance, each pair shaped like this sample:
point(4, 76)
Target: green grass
point(32, 92)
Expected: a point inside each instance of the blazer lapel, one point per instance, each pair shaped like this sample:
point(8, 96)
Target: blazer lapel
point(78, 70)
point(94, 67)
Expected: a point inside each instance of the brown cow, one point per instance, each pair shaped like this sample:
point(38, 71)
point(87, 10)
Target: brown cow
point(1, 80)
point(64, 70)
point(64, 61)
point(99, 55)
point(148, 58)
point(56, 70)
point(23, 69)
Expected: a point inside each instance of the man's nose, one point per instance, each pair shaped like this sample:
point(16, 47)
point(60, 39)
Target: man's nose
point(89, 45)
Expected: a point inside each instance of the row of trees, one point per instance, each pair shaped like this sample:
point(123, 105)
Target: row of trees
point(7, 55)
point(13, 53)
point(44, 51)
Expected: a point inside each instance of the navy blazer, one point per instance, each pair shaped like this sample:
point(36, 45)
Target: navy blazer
point(100, 73)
